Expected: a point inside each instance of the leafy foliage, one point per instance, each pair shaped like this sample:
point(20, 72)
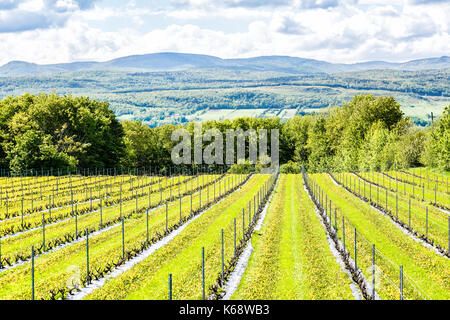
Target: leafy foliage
point(58, 131)
point(291, 167)
point(241, 168)
point(437, 148)
point(368, 132)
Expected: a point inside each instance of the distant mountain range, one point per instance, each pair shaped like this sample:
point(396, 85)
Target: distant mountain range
point(182, 61)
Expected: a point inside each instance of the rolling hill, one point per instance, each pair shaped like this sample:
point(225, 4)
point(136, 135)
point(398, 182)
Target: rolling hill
point(168, 61)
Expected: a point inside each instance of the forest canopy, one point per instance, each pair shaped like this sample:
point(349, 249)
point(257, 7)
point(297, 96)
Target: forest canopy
point(368, 132)
point(51, 131)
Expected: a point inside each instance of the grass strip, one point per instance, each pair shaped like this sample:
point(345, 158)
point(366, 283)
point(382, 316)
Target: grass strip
point(61, 272)
point(17, 248)
point(291, 258)
point(182, 256)
point(428, 271)
point(427, 224)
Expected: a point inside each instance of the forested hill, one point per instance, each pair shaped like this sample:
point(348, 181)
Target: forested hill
point(168, 61)
point(177, 97)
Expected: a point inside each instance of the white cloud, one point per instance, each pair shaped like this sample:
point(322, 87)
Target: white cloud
point(23, 15)
point(427, 2)
point(288, 24)
point(9, 4)
point(20, 20)
point(315, 4)
point(211, 4)
point(349, 32)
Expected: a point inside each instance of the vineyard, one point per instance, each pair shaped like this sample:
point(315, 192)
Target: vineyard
point(217, 235)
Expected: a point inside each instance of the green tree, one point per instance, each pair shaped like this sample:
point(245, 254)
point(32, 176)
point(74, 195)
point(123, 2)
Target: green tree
point(58, 131)
point(437, 145)
point(354, 120)
point(294, 137)
point(143, 148)
point(320, 155)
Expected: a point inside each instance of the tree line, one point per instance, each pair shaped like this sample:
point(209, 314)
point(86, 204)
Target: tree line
point(59, 132)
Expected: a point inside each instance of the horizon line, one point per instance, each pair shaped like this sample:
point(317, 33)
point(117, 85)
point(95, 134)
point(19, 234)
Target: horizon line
point(235, 58)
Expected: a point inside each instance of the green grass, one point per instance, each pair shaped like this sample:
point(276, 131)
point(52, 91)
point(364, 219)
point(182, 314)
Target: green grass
point(291, 257)
point(406, 184)
point(437, 228)
point(37, 191)
point(432, 173)
point(20, 245)
point(59, 269)
point(182, 256)
point(60, 200)
point(113, 196)
point(430, 271)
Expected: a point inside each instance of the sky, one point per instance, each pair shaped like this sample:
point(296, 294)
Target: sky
point(57, 31)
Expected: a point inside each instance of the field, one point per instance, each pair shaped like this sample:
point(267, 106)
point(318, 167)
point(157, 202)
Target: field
point(310, 236)
point(178, 97)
